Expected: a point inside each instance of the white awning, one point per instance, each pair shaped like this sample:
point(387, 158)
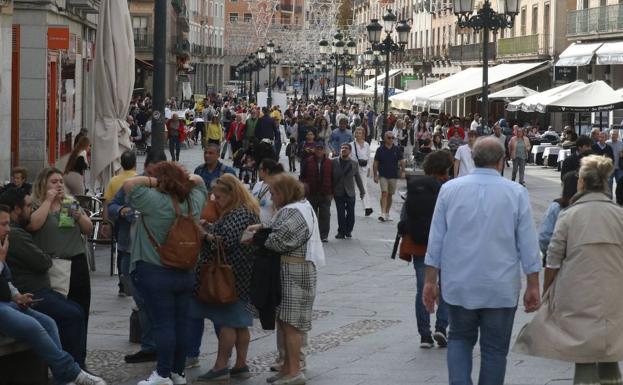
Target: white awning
point(593, 97)
point(610, 53)
point(516, 92)
point(577, 55)
point(500, 74)
point(381, 77)
point(529, 104)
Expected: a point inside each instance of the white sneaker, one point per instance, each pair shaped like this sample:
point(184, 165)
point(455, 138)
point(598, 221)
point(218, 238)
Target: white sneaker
point(155, 379)
point(85, 378)
point(388, 218)
point(178, 379)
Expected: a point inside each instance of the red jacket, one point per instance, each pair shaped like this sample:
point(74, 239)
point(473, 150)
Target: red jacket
point(180, 128)
point(317, 183)
point(451, 132)
point(237, 129)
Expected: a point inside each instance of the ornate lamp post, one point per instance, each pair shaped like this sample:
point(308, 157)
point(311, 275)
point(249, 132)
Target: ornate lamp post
point(486, 19)
point(387, 46)
point(372, 58)
point(337, 48)
point(271, 55)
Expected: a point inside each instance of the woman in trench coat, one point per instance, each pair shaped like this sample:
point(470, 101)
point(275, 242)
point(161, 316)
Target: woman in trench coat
point(581, 317)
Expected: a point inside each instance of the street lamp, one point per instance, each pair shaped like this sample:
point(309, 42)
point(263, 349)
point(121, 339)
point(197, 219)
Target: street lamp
point(337, 48)
point(387, 46)
point(486, 19)
point(372, 59)
point(272, 56)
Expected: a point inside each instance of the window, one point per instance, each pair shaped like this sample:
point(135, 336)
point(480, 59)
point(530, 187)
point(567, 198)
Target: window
point(535, 19)
point(140, 28)
point(233, 17)
point(285, 19)
point(522, 26)
point(248, 17)
point(546, 21)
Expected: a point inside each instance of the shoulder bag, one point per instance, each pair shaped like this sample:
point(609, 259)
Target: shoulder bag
point(217, 283)
point(60, 275)
point(362, 162)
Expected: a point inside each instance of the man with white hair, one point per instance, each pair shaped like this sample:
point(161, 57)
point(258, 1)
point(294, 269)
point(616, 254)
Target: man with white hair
point(617, 149)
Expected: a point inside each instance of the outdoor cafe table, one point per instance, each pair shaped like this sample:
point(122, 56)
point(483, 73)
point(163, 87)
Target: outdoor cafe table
point(537, 152)
point(548, 155)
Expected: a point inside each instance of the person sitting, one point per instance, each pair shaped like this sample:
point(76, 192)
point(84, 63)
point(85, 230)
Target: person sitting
point(19, 176)
point(572, 163)
point(20, 322)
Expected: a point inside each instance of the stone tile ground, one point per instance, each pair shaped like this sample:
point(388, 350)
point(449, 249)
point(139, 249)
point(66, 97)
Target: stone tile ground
point(364, 331)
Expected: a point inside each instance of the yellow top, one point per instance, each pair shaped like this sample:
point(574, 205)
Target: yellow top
point(275, 114)
point(214, 131)
point(116, 182)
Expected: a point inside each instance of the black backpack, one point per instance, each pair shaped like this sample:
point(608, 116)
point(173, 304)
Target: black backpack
point(422, 192)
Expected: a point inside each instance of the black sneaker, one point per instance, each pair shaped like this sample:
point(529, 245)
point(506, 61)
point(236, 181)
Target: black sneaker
point(339, 236)
point(426, 342)
point(368, 212)
point(141, 356)
point(381, 218)
point(440, 338)
point(348, 236)
point(324, 240)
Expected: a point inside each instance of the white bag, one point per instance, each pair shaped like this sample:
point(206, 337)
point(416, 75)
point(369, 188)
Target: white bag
point(60, 275)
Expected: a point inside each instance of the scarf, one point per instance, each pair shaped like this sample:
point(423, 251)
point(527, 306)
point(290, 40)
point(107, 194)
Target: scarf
point(314, 251)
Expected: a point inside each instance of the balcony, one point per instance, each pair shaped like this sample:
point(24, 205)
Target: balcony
point(415, 55)
point(143, 42)
point(594, 22)
point(286, 7)
point(180, 46)
point(86, 6)
point(524, 46)
point(470, 52)
point(196, 49)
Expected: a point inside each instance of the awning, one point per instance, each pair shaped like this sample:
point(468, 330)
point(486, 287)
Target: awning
point(528, 104)
point(593, 97)
point(144, 64)
point(577, 55)
point(516, 92)
point(610, 53)
point(381, 77)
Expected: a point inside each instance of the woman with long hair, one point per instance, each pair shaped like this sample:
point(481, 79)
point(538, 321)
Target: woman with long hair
point(437, 142)
point(166, 290)
point(581, 317)
point(361, 155)
point(238, 209)
point(294, 235)
point(261, 190)
point(79, 155)
point(58, 225)
point(323, 132)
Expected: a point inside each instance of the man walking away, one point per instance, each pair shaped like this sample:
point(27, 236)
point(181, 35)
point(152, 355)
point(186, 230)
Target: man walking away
point(345, 173)
point(617, 150)
point(479, 246)
point(316, 175)
point(388, 166)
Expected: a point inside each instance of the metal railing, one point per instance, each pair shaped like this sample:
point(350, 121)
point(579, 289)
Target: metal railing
point(530, 45)
point(595, 20)
point(470, 52)
point(180, 46)
point(143, 41)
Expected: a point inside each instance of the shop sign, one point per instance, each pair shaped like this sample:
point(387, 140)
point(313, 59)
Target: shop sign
point(565, 74)
point(58, 38)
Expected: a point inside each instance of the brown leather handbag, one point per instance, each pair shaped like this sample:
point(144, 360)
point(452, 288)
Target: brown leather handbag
point(217, 283)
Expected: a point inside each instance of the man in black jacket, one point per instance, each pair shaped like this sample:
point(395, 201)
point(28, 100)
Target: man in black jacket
point(265, 128)
point(29, 267)
point(345, 172)
point(572, 163)
point(601, 147)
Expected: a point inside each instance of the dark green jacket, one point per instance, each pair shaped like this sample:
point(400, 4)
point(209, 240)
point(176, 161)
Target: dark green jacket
point(29, 264)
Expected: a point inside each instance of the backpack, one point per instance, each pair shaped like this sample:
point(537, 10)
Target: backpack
point(181, 248)
point(422, 192)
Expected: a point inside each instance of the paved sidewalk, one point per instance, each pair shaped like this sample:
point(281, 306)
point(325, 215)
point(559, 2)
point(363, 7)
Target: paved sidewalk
point(364, 328)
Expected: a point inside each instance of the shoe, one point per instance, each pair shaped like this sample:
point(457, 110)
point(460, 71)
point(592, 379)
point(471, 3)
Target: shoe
point(139, 357)
point(381, 218)
point(440, 338)
point(324, 240)
point(339, 236)
point(192, 362)
point(121, 293)
point(427, 342)
point(155, 379)
point(276, 367)
point(348, 236)
point(388, 218)
point(274, 378)
point(85, 378)
point(298, 380)
point(211, 375)
point(368, 212)
point(243, 372)
point(178, 379)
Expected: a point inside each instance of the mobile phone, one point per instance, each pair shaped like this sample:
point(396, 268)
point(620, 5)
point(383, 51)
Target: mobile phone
point(247, 235)
point(35, 300)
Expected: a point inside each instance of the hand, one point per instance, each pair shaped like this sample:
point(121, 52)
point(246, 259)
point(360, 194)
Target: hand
point(430, 296)
point(76, 214)
point(532, 299)
point(23, 300)
point(4, 248)
point(361, 195)
point(254, 228)
point(51, 195)
point(125, 211)
point(376, 179)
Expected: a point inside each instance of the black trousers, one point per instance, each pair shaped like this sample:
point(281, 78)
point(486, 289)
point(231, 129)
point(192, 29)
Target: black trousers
point(322, 207)
point(80, 285)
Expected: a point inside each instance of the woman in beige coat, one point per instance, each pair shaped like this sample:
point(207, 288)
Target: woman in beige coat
point(581, 317)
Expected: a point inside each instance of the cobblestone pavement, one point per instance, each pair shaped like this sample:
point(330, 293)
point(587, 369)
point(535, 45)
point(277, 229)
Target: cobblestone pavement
point(364, 328)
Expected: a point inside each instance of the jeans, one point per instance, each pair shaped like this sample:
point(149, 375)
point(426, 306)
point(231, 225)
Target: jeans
point(195, 334)
point(618, 177)
point(495, 326)
point(123, 268)
point(345, 207)
point(322, 207)
point(69, 318)
point(519, 164)
point(148, 344)
point(174, 147)
point(167, 294)
point(421, 314)
point(80, 286)
point(40, 332)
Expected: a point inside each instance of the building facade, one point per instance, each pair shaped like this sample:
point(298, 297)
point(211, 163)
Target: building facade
point(6, 47)
point(52, 73)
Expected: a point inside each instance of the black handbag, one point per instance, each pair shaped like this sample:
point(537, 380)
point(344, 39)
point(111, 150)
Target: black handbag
point(362, 162)
point(5, 291)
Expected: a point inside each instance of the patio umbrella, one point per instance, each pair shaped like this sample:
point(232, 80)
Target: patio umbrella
point(516, 92)
point(528, 104)
point(114, 82)
point(350, 91)
point(592, 97)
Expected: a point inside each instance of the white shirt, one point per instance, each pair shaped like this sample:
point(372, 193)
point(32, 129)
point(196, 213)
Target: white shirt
point(473, 126)
point(464, 156)
point(261, 191)
point(363, 152)
point(148, 133)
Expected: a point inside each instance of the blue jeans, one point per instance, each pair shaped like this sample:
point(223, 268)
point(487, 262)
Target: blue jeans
point(166, 293)
point(495, 326)
point(147, 338)
point(174, 147)
point(345, 206)
point(196, 328)
point(69, 318)
point(421, 314)
point(40, 332)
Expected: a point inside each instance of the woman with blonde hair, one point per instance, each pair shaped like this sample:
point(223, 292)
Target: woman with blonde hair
point(294, 234)
point(579, 321)
point(238, 209)
point(361, 155)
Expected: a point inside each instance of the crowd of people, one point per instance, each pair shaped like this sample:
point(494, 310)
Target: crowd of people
point(268, 226)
